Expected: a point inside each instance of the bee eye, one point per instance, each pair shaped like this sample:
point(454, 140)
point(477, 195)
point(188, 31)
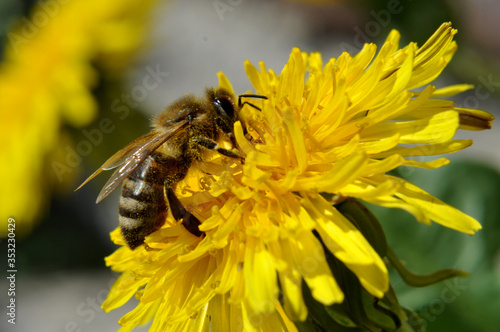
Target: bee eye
point(226, 105)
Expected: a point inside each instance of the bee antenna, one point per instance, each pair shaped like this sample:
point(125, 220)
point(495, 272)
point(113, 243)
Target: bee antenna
point(240, 104)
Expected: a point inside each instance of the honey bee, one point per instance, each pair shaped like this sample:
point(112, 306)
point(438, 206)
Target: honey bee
point(152, 165)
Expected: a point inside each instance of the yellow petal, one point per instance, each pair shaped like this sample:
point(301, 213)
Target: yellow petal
point(452, 90)
point(437, 210)
point(348, 244)
point(342, 173)
point(427, 164)
point(224, 82)
point(253, 76)
point(297, 139)
point(309, 259)
point(427, 150)
point(383, 166)
point(377, 146)
point(436, 129)
point(123, 289)
point(260, 277)
point(243, 143)
point(365, 191)
point(291, 285)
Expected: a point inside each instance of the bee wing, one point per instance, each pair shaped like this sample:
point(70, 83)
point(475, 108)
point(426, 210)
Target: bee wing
point(131, 156)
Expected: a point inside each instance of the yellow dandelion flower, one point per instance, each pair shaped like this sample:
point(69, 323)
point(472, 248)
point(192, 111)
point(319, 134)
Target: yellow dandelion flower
point(333, 129)
point(46, 79)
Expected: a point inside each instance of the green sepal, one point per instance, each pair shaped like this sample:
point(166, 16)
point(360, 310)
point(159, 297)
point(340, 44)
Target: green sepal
point(319, 318)
point(421, 280)
point(390, 302)
point(413, 324)
point(380, 316)
point(337, 312)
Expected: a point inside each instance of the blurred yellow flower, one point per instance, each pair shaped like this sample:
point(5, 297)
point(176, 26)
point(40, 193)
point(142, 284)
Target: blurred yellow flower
point(45, 83)
point(337, 129)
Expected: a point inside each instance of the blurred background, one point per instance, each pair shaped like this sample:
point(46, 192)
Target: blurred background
point(80, 79)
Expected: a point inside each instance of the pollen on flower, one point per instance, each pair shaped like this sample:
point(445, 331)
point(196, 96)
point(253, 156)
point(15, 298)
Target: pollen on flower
point(332, 130)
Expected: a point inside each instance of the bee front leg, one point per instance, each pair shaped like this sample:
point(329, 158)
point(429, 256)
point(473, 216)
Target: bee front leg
point(212, 145)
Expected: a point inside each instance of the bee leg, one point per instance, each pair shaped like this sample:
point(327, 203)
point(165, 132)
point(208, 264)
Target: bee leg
point(189, 221)
point(228, 131)
point(212, 145)
point(192, 224)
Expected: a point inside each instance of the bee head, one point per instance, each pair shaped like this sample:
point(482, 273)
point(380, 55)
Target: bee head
point(185, 109)
point(223, 102)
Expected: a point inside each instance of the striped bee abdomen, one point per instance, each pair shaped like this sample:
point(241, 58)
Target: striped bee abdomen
point(143, 208)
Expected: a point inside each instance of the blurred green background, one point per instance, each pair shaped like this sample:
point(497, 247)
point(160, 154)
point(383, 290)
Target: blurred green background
point(59, 256)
